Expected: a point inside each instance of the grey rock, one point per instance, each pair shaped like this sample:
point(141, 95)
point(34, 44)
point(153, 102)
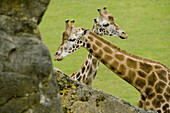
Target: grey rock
point(27, 83)
point(26, 27)
point(80, 98)
point(26, 76)
point(23, 9)
point(21, 17)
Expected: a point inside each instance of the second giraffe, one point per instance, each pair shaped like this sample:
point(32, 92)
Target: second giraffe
point(103, 25)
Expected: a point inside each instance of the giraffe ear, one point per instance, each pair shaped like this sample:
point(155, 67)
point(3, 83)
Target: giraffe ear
point(86, 32)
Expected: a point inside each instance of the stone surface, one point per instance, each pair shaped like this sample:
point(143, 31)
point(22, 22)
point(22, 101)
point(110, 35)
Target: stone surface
point(20, 17)
point(24, 9)
point(27, 83)
point(79, 98)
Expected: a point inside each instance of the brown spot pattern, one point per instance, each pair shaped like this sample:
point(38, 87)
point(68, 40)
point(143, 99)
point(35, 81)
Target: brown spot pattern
point(103, 61)
point(88, 67)
point(90, 71)
point(94, 75)
point(160, 98)
point(166, 95)
point(107, 50)
point(108, 57)
point(77, 46)
point(79, 78)
point(142, 74)
point(87, 70)
point(91, 51)
point(159, 87)
point(99, 54)
point(159, 111)
point(165, 107)
point(150, 96)
point(85, 40)
point(162, 84)
point(95, 47)
point(91, 38)
point(147, 103)
point(148, 92)
point(95, 63)
point(114, 65)
point(78, 74)
point(162, 75)
point(156, 103)
point(143, 98)
point(157, 67)
point(83, 69)
point(140, 82)
point(140, 104)
point(152, 79)
point(86, 62)
point(70, 48)
point(168, 89)
point(119, 57)
point(122, 70)
point(88, 81)
point(131, 63)
point(130, 77)
point(98, 43)
point(84, 78)
point(88, 45)
point(89, 56)
point(146, 67)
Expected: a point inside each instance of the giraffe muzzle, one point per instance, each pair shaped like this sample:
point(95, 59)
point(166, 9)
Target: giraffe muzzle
point(58, 59)
point(123, 35)
point(57, 56)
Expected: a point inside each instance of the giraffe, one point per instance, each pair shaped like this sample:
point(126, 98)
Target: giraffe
point(150, 78)
point(102, 26)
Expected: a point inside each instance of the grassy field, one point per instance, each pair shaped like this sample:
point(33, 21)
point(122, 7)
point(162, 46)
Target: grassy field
point(147, 23)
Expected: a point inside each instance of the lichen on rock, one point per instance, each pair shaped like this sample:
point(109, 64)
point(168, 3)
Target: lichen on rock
point(80, 98)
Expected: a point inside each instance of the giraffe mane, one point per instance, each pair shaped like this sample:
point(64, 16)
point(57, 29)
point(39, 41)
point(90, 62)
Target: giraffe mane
point(126, 53)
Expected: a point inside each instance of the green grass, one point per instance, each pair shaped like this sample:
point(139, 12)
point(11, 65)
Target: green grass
point(147, 23)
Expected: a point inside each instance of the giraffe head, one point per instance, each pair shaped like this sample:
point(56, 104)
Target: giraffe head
point(105, 25)
point(72, 40)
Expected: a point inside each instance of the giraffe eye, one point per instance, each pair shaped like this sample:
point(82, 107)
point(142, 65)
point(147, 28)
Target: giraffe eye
point(72, 39)
point(106, 25)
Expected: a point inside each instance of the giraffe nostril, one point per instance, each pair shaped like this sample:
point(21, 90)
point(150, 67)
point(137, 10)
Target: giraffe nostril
point(123, 32)
point(55, 53)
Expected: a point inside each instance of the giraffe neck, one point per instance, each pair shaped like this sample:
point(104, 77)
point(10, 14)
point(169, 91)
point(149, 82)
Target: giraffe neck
point(131, 68)
point(88, 70)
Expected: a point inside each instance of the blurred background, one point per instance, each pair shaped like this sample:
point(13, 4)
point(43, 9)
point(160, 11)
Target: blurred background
point(147, 23)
